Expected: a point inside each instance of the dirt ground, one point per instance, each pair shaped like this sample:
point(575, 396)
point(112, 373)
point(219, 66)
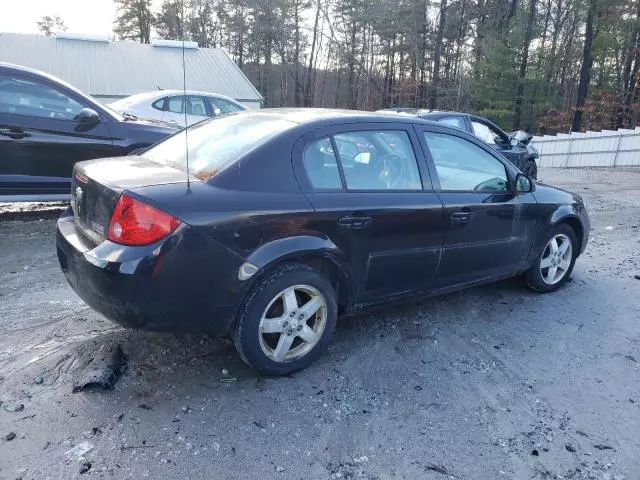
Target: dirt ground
point(494, 382)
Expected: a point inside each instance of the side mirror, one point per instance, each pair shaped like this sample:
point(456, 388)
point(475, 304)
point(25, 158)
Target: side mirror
point(523, 183)
point(514, 142)
point(87, 116)
point(217, 111)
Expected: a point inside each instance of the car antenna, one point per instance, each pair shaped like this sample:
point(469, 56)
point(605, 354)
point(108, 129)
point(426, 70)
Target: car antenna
point(184, 102)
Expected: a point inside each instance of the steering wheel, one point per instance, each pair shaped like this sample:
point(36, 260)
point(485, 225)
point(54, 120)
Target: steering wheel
point(495, 184)
point(392, 169)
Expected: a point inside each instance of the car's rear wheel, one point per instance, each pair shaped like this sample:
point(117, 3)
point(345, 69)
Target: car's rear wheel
point(287, 320)
point(530, 169)
point(554, 265)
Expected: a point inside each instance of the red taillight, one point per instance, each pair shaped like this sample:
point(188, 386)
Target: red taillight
point(136, 223)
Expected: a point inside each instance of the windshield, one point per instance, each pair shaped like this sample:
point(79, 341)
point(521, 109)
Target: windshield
point(217, 144)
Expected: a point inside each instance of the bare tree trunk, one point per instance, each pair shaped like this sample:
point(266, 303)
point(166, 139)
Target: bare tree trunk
point(585, 71)
point(296, 56)
point(307, 88)
point(435, 77)
point(523, 65)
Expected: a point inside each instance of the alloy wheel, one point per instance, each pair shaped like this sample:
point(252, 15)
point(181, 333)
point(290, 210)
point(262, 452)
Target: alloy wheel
point(556, 259)
point(293, 322)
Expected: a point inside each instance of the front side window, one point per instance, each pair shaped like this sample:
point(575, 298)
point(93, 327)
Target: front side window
point(217, 144)
point(222, 106)
point(321, 165)
point(35, 99)
point(463, 166)
point(486, 133)
point(378, 160)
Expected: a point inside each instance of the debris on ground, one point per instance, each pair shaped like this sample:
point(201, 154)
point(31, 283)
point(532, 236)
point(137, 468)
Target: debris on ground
point(10, 436)
point(637, 277)
point(15, 407)
point(228, 379)
point(38, 380)
point(85, 467)
point(144, 406)
point(279, 469)
point(80, 450)
point(535, 452)
point(186, 409)
point(437, 468)
point(601, 446)
point(570, 448)
point(103, 371)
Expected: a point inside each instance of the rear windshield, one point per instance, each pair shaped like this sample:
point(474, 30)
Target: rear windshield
point(217, 144)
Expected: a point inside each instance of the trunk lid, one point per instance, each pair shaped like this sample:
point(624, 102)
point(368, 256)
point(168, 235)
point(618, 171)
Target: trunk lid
point(96, 186)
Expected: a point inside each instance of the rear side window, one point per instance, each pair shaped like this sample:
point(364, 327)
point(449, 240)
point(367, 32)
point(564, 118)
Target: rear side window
point(321, 165)
point(370, 160)
point(457, 122)
point(217, 144)
point(159, 104)
point(175, 104)
point(463, 166)
point(378, 160)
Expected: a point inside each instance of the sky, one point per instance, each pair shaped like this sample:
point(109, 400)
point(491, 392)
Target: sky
point(81, 16)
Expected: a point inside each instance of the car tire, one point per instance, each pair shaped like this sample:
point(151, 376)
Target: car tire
point(541, 277)
point(530, 169)
point(276, 316)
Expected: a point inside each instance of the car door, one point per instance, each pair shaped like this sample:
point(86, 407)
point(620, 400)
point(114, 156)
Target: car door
point(488, 228)
point(40, 138)
point(495, 137)
point(197, 109)
point(375, 203)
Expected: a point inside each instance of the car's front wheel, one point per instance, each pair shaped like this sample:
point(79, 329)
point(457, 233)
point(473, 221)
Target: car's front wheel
point(287, 320)
point(555, 263)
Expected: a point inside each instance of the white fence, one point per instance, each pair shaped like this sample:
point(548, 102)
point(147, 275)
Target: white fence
point(607, 148)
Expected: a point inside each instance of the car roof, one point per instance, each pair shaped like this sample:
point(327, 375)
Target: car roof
point(330, 116)
point(157, 94)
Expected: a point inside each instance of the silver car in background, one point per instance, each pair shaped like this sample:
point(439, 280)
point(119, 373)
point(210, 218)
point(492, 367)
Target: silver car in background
point(171, 106)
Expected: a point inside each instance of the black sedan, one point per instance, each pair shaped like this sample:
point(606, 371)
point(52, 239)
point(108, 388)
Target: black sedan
point(273, 231)
point(47, 125)
point(516, 146)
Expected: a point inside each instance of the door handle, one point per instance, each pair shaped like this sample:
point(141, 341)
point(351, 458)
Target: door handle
point(462, 217)
point(16, 134)
point(355, 223)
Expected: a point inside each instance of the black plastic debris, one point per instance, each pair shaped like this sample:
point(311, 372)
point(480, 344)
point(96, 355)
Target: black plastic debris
point(437, 468)
point(103, 371)
point(10, 436)
point(570, 448)
point(144, 406)
point(85, 467)
point(535, 452)
point(601, 446)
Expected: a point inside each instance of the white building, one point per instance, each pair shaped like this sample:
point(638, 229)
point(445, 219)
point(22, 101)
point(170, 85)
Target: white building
point(110, 70)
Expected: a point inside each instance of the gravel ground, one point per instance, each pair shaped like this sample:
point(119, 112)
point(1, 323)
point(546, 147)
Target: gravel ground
point(494, 382)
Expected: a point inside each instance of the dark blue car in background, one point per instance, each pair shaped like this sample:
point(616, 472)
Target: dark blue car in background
point(46, 126)
point(514, 146)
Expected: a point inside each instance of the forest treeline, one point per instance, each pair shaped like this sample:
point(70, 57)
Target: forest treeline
point(541, 65)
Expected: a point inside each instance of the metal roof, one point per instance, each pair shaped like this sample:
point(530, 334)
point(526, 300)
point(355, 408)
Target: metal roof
point(123, 68)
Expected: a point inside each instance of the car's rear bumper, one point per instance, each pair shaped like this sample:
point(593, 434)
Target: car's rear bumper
point(177, 284)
